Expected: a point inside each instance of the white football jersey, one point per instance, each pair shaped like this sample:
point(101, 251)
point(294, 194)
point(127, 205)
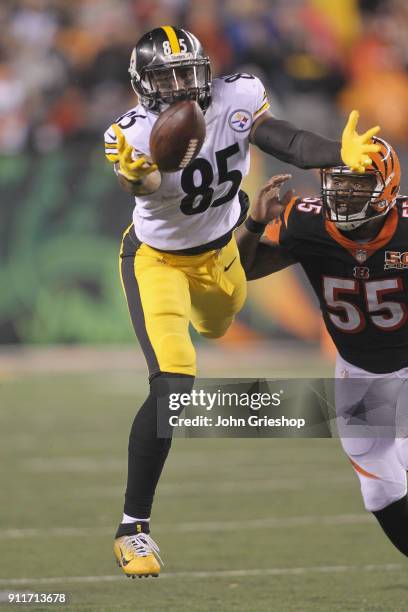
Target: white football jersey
point(200, 203)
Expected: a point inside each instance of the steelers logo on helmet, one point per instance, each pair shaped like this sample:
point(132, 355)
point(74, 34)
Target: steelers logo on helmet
point(351, 199)
point(240, 120)
point(169, 64)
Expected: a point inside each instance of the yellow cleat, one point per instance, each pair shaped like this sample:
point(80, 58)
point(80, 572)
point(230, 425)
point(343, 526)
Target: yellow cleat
point(137, 555)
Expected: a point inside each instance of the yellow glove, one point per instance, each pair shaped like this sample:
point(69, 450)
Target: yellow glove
point(355, 148)
point(131, 167)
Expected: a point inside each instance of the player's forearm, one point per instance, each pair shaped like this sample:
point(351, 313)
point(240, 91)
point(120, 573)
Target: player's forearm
point(128, 186)
point(147, 185)
point(247, 245)
point(298, 147)
point(259, 256)
point(269, 258)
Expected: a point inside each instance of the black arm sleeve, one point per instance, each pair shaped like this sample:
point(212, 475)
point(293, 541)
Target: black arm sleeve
point(298, 147)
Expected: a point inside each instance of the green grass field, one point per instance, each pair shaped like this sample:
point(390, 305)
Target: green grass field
point(243, 525)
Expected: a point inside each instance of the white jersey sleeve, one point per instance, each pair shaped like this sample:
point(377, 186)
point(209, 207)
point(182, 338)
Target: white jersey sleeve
point(261, 99)
point(136, 126)
point(245, 93)
point(110, 145)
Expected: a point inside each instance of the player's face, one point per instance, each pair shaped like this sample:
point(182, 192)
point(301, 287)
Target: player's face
point(178, 79)
point(350, 194)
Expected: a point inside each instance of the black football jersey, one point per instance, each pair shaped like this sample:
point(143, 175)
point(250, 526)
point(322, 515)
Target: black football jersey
point(362, 287)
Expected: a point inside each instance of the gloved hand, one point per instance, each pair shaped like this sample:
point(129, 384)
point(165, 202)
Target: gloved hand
point(355, 148)
point(130, 165)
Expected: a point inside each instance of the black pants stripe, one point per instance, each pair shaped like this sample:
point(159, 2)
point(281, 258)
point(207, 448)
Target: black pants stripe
point(129, 248)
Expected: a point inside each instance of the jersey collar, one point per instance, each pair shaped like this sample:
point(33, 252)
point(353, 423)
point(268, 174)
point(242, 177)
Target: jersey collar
point(363, 250)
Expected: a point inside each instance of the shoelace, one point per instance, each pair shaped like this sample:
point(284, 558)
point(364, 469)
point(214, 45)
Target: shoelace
point(142, 544)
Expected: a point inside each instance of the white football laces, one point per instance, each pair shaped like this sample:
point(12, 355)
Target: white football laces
point(143, 545)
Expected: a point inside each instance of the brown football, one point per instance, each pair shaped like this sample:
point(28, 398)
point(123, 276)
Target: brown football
point(177, 136)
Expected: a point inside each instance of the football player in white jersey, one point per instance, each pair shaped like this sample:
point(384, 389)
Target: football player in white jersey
point(179, 259)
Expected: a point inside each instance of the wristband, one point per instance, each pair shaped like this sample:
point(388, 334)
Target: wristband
point(255, 227)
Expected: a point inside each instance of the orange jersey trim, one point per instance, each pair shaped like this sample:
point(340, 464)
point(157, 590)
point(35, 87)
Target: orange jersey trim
point(274, 228)
point(385, 235)
point(362, 471)
point(288, 209)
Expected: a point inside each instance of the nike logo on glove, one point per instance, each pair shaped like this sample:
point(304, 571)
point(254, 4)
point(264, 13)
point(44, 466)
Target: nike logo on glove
point(228, 267)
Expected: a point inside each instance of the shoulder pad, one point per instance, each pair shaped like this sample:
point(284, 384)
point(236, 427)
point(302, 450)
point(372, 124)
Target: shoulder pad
point(136, 127)
point(311, 206)
point(129, 118)
point(244, 93)
point(297, 219)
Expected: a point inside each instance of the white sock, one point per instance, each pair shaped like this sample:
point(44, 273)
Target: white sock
point(131, 519)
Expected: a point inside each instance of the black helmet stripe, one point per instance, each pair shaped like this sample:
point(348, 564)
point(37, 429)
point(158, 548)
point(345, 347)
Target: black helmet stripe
point(388, 155)
point(385, 160)
point(392, 162)
point(375, 165)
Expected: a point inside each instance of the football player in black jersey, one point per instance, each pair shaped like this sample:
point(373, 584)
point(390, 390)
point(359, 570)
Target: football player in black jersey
point(352, 243)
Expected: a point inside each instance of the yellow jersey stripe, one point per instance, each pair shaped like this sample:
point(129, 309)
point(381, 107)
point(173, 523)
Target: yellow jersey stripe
point(127, 230)
point(112, 158)
point(264, 107)
point(173, 40)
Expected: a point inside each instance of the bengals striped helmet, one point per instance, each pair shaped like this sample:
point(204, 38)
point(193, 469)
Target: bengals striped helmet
point(351, 199)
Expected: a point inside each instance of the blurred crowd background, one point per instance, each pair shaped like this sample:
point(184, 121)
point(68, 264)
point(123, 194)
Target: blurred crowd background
point(63, 63)
point(64, 79)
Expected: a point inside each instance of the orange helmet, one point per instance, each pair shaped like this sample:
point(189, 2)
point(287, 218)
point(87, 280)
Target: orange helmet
point(386, 165)
point(351, 199)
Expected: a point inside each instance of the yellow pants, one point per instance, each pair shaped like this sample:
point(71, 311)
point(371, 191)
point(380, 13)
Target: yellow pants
point(165, 292)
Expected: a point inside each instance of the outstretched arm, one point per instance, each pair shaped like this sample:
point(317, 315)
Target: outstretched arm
point(269, 258)
point(137, 174)
point(309, 150)
point(260, 256)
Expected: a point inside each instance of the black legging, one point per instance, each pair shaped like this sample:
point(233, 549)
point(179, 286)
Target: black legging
point(148, 452)
point(394, 521)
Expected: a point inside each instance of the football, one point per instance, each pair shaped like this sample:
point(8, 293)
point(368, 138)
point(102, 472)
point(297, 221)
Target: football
point(177, 136)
